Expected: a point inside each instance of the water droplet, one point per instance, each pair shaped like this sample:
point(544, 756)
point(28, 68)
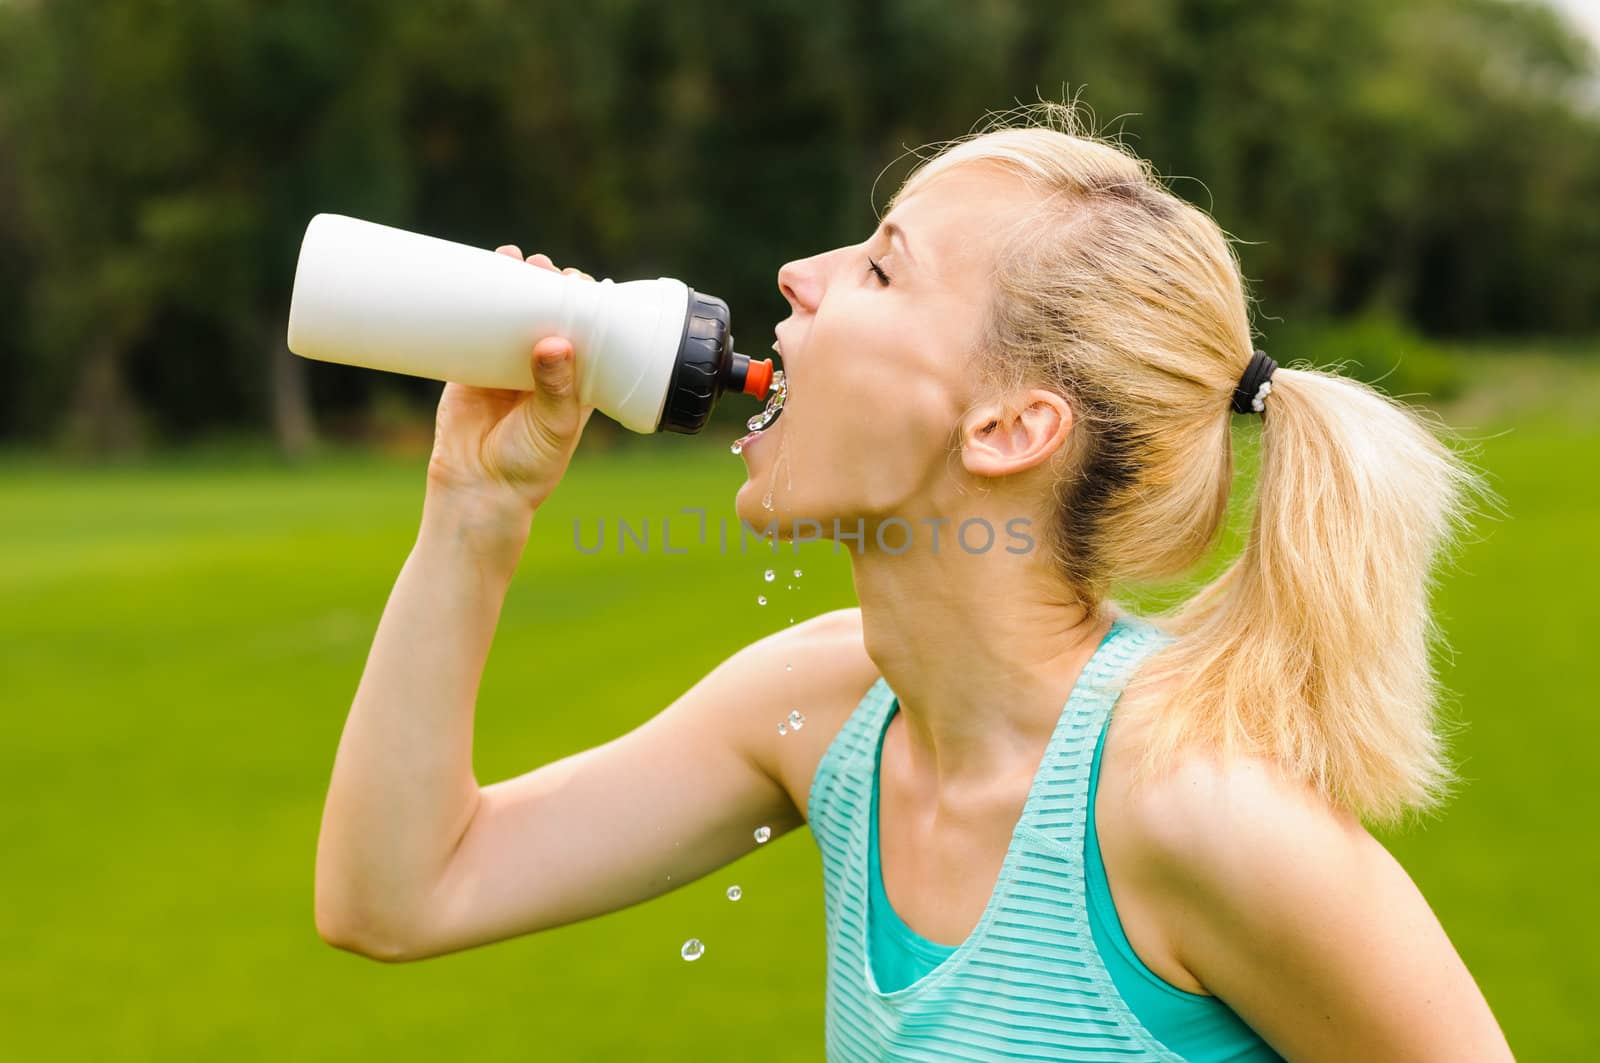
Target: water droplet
point(692, 950)
point(783, 729)
point(734, 893)
point(763, 834)
point(761, 599)
point(737, 447)
point(791, 620)
point(796, 720)
point(788, 668)
point(769, 575)
point(797, 573)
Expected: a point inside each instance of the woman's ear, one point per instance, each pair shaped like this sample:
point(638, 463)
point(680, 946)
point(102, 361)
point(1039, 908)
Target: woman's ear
point(1002, 438)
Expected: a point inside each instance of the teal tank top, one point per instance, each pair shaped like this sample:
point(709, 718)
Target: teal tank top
point(1047, 973)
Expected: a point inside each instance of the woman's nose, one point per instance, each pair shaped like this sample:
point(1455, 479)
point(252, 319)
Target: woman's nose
point(797, 281)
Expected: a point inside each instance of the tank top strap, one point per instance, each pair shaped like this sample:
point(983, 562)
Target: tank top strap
point(1057, 807)
point(841, 787)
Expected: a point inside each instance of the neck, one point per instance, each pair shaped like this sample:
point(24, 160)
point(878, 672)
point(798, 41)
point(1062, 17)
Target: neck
point(981, 651)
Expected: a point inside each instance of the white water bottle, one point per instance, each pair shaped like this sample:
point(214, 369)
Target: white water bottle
point(653, 355)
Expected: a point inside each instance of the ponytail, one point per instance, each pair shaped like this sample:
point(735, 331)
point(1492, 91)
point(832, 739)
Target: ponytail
point(1314, 647)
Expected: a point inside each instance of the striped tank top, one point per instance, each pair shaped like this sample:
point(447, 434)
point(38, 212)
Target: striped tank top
point(1029, 982)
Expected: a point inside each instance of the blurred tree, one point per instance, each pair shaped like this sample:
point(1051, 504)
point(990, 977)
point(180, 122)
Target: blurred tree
point(1436, 162)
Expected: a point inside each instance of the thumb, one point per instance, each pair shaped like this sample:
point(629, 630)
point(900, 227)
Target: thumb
point(553, 411)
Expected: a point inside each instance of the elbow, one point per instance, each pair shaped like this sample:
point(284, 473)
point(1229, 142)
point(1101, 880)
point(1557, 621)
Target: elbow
point(384, 949)
point(349, 921)
point(373, 914)
point(352, 933)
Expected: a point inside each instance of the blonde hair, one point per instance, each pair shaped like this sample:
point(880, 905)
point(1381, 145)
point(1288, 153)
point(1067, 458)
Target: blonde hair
point(1313, 647)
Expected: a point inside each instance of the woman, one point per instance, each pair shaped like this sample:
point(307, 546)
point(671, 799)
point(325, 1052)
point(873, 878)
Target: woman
point(1041, 340)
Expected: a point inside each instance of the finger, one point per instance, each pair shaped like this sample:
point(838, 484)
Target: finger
point(509, 249)
point(553, 414)
point(579, 272)
point(553, 365)
point(541, 260)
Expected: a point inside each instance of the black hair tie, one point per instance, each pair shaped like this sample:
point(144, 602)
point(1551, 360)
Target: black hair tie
point(1255, 385)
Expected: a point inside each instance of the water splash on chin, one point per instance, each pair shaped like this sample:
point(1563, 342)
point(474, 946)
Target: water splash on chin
point(779, 462)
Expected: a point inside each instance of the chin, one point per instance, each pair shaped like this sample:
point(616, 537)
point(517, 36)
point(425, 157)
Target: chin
point(747, 507)
point(747, 503)
point(784, 514)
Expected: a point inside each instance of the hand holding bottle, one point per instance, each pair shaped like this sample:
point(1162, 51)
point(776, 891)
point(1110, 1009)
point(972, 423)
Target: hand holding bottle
point(502, 452)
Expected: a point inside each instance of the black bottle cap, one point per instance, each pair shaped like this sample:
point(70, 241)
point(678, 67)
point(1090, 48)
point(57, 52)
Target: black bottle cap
point(706, 363)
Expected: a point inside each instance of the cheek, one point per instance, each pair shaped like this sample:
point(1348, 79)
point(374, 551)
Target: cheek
point(876, 413)
point(888, 406)
point(897, 444)
point(881, 366)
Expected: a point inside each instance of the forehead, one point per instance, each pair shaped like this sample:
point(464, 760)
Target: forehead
point(955, 221)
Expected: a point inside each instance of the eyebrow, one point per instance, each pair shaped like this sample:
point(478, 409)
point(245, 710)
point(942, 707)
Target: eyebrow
point(894, 232)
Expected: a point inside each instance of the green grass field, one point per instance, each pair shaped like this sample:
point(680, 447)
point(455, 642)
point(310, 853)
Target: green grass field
point(180, 641)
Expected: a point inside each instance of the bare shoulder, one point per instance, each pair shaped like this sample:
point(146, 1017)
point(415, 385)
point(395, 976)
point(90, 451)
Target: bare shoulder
point(1286, 907)
point(1220, 840)
point(1233, 817)
point(1215, 815)
point(818, 669)
point(1208, 828)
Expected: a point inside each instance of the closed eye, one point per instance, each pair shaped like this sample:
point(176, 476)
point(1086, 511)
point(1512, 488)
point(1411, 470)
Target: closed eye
point(883, 278)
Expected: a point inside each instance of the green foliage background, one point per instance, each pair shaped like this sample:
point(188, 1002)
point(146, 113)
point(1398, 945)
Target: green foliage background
point(1435, 163)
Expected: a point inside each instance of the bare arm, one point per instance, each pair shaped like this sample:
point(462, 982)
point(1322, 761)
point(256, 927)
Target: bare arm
point(655, 809)
point(402, 792)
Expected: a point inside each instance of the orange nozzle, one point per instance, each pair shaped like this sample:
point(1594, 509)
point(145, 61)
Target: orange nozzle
point(758, 377)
